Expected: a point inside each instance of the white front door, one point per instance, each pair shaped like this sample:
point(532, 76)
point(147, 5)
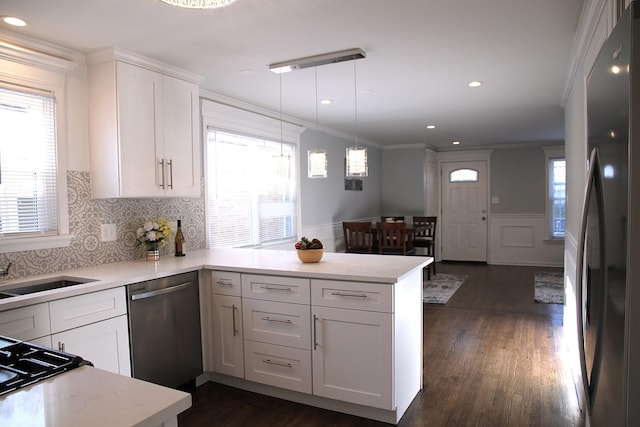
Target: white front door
point(464, 211)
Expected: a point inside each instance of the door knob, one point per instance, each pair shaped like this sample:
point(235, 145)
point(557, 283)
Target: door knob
point(484, 218)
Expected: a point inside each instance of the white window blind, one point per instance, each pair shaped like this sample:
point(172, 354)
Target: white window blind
point(28, 200)
point(251, 187)
point(557, 192)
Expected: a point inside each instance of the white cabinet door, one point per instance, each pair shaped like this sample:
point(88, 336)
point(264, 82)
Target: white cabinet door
point(26, 323)
point(105, 344)
point(227, 336)
point(352, 354)
point(140, 153)
point(180, 133)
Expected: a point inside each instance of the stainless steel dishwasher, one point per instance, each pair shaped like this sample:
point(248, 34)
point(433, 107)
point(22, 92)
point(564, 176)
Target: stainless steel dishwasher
point(164, 326)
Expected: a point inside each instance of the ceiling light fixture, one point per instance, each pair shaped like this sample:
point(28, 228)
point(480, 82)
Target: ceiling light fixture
point(314, 61)
point(357, 165)
point(12, 20)
point(475, 83)
point(199, 4)
point(317, 159)
point(456, 142)
point(326, 102)
point(431, 126)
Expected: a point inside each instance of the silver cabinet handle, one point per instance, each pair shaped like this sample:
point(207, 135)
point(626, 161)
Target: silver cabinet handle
point(268, 319)
point(224, 282)
point(345, 294)
point(60, 346)
point(233, 316)
point(277, 288)
point(271, 362)
point(170, 174)
point(315, 332)
point(162, 173)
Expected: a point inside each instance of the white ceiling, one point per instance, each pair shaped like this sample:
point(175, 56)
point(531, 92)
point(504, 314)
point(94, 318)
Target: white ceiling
point(420, 56)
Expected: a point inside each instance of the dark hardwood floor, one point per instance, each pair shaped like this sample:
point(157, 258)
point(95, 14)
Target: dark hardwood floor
point(491, 358)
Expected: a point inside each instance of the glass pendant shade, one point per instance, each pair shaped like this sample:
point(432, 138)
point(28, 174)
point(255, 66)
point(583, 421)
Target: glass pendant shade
point(357, 162)
point(317, 163)
point(199, 4)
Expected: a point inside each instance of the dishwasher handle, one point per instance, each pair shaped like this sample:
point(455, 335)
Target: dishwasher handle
point(150, 294)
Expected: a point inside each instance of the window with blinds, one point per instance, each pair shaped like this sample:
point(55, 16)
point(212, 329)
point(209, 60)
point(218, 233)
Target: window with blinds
point(251, 187)
point(28, 199)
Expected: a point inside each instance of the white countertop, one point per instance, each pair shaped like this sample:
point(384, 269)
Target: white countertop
point(88, 396)
point(333, 266)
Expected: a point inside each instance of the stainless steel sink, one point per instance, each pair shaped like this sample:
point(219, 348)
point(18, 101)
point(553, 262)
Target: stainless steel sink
point(43, 285)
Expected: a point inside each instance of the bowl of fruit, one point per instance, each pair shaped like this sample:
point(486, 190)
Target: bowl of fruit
point(309, 250)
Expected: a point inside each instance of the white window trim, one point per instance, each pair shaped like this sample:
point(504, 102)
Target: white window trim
point(550, 153)
point(28, 67)
point(232, 119)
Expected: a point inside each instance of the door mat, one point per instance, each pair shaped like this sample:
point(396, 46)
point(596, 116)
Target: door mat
point(441, 287)
point(549, 287)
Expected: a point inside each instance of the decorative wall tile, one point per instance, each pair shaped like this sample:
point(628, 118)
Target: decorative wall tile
point(86, 215)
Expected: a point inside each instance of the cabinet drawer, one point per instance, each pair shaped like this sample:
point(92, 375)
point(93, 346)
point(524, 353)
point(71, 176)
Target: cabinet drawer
point(88, 308)
point(352, 295)
point(277, 323)
point(275, 288)
point(278, 366)
point(225, 283)
point(26, 323)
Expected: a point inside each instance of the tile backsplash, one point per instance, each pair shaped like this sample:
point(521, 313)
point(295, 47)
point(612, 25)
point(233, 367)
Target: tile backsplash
point(86, 215)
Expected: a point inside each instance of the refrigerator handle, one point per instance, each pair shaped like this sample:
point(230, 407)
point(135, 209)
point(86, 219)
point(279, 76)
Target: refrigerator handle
point(594, 183)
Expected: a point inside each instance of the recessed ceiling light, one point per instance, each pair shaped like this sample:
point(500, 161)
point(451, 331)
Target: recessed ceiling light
point(431, 126)
point(326, 102)
point(615, 69)
point(12, 20)
point(475, 83)
point(247, 72)
point(456, 142)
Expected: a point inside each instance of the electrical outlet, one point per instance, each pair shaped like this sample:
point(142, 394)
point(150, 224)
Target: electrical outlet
point(108, 232)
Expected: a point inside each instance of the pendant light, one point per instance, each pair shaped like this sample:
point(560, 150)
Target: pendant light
point(317, 159)
point(199, 4)
point(356, 156)
point(282, 163)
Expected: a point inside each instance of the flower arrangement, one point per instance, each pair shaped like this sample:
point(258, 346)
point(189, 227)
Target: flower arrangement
point(154, 233)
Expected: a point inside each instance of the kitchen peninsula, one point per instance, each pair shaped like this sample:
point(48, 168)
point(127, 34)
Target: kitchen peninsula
point(343, 334)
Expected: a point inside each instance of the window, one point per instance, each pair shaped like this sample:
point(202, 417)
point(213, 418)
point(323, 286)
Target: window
point(463, 175)
point(251, 190)
point(251, 177)
point(28, 179)
point(556, 191)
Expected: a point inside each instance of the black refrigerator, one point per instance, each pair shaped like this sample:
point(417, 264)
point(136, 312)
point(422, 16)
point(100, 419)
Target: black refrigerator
point(609, 243)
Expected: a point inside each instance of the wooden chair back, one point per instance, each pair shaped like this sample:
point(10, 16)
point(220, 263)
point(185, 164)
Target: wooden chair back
point(428, 233)
point(357, 237)
point(394, 239)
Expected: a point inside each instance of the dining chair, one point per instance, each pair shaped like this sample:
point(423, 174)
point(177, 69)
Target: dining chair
point(383, 218)
point(393, 239)
point(426, 238)
point(358, 237)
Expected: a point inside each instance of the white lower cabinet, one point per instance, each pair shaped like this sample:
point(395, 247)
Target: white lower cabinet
point(279, 366)
point(104, 343)
point(352, 356)
point(227, 335)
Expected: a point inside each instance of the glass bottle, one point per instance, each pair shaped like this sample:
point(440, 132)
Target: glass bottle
point(179, 240)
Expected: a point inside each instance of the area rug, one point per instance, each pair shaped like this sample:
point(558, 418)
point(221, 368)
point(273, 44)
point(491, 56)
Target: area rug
point(549, 287)
point(441, 287)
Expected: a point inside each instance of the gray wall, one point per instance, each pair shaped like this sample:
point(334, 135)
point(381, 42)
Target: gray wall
point(518, 179)
point(324, 200)
point(403, 187)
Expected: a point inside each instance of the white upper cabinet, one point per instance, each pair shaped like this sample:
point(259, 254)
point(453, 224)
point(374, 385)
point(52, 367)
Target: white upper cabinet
point(143, 128)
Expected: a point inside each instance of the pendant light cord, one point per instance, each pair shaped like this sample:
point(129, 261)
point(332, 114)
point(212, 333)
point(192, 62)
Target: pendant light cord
point(355, 98)
point(281, 132)
point(317, 134)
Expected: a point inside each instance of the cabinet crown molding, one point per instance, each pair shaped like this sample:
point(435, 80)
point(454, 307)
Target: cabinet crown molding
point(114, 53)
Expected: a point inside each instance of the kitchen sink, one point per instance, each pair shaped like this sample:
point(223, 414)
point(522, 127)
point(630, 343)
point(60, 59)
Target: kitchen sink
point(43, 285)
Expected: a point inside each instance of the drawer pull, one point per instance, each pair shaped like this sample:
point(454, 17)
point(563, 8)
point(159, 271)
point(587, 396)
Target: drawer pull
point(268, 319)
point(233, 317)
point(224, 282)
point(315, 332)
point(344, 294)
point(271, 362)
point(277, 288)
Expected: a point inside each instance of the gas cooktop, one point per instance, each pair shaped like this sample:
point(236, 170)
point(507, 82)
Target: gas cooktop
point(23, 363)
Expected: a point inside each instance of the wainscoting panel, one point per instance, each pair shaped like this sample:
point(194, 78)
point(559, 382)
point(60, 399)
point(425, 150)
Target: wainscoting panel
point(522, 240)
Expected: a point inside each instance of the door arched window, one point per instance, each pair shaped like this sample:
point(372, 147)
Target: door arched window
point(463, 175)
